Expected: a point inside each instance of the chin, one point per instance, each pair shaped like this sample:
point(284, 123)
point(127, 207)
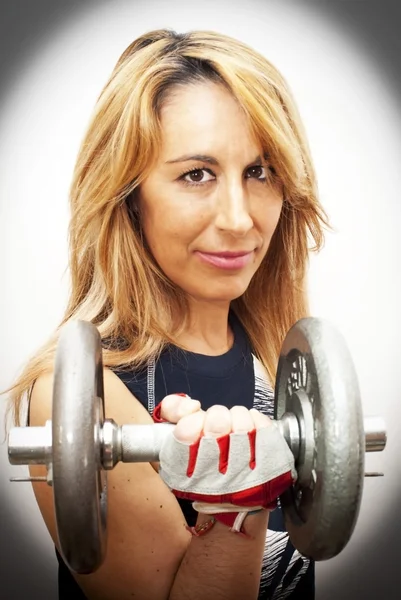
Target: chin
point(222, 293)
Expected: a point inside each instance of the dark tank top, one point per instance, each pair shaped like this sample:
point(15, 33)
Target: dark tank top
point(234, 378)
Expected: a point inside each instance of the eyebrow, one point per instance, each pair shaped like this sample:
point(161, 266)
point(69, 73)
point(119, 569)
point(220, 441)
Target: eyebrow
point(208, 159)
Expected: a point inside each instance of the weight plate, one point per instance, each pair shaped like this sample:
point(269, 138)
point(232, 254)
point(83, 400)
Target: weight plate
point(316, 380)
point(79, 482)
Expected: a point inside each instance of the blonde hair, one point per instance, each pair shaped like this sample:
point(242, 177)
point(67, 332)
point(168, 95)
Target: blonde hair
point(116, 284)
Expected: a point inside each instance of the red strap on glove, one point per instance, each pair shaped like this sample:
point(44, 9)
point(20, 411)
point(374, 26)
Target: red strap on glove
point(156, 414)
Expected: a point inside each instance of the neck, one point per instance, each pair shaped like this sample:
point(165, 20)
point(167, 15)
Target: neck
point(207, 331)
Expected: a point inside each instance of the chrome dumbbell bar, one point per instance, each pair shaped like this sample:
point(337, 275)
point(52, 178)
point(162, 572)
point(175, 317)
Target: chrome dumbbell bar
point(142, 443)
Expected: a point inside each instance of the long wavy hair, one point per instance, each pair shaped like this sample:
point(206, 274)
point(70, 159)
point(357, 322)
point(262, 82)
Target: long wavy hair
point(115, 282)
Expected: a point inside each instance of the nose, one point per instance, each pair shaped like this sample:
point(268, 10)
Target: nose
point(233, 210)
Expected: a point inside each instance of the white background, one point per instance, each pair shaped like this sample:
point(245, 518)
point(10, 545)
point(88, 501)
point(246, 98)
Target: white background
point(352, 122)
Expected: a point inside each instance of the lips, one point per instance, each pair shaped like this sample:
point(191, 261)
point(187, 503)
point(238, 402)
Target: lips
point(228, 254)
point(227, 260)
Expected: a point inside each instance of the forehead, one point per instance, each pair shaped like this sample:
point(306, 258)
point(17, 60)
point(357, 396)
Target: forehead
point(206, 118)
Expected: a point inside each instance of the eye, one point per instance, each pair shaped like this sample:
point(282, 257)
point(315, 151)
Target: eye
point(197, 176)
point(257, 172)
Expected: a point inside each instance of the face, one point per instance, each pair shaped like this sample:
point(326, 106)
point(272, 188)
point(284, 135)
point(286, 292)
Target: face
point(210, 205)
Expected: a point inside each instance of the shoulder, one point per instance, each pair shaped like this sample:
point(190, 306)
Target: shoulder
point(135, 380)
point(120, 403)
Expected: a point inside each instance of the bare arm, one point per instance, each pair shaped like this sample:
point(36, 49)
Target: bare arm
point(150, 552)
point(222, 565)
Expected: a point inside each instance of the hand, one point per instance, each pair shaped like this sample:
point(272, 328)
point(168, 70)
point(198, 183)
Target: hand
point(174, 407)
point(227, 461)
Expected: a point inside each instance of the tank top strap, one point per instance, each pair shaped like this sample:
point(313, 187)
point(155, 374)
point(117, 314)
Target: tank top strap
point(264, 393)
point(150, 383)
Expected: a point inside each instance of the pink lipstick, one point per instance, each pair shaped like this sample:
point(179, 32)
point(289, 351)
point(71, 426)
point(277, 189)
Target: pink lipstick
point(226, 260)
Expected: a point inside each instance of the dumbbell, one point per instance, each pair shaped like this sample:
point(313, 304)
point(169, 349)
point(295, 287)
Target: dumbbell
point(317, 409)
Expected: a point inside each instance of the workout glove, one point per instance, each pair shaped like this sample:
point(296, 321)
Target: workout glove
point(229, 476)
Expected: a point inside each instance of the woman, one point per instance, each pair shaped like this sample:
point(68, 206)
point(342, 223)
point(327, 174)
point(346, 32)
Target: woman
point(192, 201)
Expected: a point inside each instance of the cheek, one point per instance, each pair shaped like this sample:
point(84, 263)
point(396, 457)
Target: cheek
point(169, 231)
point(270, 219)
point(160, 229)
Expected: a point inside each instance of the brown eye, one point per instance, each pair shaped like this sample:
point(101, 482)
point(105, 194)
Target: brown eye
point(257, 172)
point(196, 176)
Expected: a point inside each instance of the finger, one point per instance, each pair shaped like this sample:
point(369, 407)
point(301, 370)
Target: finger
point(189, 429)
point(260, 420)
point(188, 406)
point(241, 420)
point(176, 406)
point(217, 421)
